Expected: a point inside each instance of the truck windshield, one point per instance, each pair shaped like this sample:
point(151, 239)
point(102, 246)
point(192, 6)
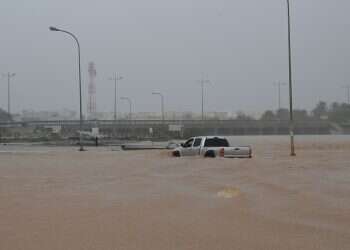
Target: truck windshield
point(216, 142)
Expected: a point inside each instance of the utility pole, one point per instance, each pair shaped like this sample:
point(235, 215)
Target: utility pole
point(202, 83)
point(9, 76)
point(115, 78)
point(291, 119)
point(130, 105)
point(347, 87)
point(162, 103)
point(279, 84)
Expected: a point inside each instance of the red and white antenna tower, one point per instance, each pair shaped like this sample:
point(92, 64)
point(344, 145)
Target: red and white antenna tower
point(92, 90)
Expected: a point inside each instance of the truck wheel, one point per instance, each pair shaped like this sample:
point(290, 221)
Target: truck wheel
point(176, 154)
point(210, 154)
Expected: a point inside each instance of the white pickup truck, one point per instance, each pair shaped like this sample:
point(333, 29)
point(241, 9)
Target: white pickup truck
point(211, 146)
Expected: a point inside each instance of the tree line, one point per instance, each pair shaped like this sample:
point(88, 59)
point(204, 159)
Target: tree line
point(334, 112)
point(4, 116)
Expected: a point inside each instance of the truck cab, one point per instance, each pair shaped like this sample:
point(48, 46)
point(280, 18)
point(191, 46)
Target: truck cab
point(191, 147)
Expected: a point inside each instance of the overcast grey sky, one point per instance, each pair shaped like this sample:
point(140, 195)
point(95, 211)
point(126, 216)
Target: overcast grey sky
point(163, 45)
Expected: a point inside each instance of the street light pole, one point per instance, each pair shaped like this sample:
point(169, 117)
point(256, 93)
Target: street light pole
point(347, 87)
point(162, 102)
point(279, 84)
point(202, 88)
point(291, 122)
point(80, 96)
point(9, 76)
point(202, 82)
point(130, 106)
point(116, 78)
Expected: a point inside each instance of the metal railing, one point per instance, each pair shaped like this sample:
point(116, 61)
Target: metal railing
point(186, 123)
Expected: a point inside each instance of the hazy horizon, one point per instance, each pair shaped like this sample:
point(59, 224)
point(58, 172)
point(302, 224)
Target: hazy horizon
point(166, 46)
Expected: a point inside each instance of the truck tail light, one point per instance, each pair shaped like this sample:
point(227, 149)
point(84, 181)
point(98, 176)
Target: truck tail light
point(222, 152)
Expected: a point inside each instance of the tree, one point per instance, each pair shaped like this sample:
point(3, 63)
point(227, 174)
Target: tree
point(282, 114)
point(4, 116)
point(339, 113)
point(334, 107)
point(268, 116)
point(301, 115)
point(188, 116)
point(320, 110)
point(243, 117)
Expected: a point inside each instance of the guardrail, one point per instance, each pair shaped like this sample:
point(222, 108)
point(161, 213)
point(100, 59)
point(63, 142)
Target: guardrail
point(179, 128)
point(161, 122)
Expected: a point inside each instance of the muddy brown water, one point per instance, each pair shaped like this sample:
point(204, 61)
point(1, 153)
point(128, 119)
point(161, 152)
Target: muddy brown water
point(59, 198)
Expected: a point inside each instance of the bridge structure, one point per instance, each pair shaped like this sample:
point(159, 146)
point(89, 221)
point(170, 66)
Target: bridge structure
point(173, 128)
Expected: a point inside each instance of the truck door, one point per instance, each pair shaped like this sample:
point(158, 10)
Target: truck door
point(187, 147)
point(196, 146)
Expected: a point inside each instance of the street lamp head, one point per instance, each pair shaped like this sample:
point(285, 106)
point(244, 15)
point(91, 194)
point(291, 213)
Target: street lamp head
point(116, 78)
point(9, 75)
point(126, 99)
point(53, 28)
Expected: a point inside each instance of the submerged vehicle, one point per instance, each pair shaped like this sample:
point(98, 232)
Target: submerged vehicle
point(211, 146)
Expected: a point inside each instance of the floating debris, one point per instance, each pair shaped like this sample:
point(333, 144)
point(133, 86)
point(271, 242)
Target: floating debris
point(229, 193)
